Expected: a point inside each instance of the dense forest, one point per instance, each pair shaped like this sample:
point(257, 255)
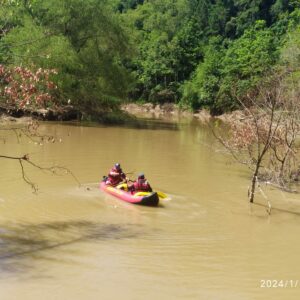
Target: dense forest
point(95, 54)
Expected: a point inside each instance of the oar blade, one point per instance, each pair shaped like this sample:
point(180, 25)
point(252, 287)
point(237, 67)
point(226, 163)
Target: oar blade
point(161, 195)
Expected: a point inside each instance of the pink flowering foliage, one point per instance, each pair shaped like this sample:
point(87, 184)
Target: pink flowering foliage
point(23, 88)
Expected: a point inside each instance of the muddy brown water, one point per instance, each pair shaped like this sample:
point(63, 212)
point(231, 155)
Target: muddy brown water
point(203, 242)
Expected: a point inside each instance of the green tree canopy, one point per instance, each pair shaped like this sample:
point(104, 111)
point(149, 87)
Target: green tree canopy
point(82, 40)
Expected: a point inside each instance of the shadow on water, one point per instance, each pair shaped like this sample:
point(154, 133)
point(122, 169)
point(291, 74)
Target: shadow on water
point(151, 124)
point(22, 245)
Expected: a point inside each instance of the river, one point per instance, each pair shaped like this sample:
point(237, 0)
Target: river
point(203, 242)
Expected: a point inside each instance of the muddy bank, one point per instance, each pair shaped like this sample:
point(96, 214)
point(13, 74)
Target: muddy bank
point(64, 113)
point(162, 111)
point(168, 111)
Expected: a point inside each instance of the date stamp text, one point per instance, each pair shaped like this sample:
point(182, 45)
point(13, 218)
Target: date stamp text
point(279, 283)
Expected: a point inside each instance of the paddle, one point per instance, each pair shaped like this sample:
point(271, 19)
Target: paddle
point(129, 173)
point(161, 195)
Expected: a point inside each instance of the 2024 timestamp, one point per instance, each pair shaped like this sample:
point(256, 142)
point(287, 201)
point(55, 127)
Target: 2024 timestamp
point(279, 283)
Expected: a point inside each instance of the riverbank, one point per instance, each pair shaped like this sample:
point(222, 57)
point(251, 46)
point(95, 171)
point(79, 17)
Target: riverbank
point(162, 111)
point(127, 112)
point(62, 113)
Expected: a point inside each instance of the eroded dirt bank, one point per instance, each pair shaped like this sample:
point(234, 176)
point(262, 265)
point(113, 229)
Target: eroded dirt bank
point(166, 110)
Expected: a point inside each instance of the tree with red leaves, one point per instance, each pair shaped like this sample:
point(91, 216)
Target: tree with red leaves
point(22, 88)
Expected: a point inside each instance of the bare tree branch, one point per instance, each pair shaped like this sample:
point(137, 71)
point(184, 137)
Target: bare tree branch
point(263, 135)
point(53, 170)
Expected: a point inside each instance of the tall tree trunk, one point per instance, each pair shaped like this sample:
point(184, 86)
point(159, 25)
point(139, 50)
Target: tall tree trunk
point(253, 183)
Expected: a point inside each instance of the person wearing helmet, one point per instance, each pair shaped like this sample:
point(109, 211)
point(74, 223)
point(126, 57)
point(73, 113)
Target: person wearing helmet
point(141, 184)
point(115, 175)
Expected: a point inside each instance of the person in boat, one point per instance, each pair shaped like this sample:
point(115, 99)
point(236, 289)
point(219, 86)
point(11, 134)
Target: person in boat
point(115, 175)
point(140, 185)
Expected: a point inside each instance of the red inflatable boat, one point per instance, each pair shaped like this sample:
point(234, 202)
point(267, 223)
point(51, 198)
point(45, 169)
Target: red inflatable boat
point(143, 198)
